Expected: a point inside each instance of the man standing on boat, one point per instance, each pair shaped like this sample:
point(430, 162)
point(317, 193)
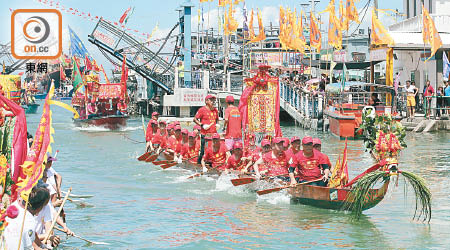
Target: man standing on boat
point(216, 155)
point(155, 116)
point(309, 164)
point(206, 117)
point(233, 124)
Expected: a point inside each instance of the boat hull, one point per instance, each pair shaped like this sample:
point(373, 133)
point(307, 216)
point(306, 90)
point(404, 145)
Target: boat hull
point(110, 122)
point(332, 198)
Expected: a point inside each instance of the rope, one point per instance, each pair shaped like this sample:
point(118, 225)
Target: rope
point(133, 140)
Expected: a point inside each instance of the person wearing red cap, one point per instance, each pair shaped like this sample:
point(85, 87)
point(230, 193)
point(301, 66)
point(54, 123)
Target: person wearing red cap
point(232, 125)
point(265, 148)
point(236, 161)
point(155, 116)
point(184, 135)
point(190, 150)
point(276, 162)
point(160, 139)
point(206, 117)
point(174, 143)
point(317, 145)
point(309, 164)
point(216, 156)
point(294, 148)
point(152, 129)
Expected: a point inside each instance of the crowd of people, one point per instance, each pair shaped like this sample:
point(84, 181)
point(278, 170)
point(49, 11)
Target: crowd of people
point(34, 220)
point(290, 160)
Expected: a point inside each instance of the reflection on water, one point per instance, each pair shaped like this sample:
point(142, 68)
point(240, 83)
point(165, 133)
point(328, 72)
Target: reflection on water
point(140, 206)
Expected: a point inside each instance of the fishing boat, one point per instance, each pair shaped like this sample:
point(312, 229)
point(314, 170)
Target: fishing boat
point(346, 107)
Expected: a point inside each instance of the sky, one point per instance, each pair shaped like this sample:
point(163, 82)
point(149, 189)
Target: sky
point(148, 13)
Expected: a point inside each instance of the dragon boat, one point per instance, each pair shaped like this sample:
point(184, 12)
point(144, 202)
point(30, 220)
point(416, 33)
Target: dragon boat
point(111, 122)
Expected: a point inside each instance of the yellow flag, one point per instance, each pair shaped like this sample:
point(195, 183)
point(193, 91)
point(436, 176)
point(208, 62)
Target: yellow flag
point(429, 32)
point(250, 27)
point(230, 24)
point(315, 36)
point(330, 8)
point(334, 32)
point(351, 14)
point(379, 35)
point(389, 72)
point(261, 35)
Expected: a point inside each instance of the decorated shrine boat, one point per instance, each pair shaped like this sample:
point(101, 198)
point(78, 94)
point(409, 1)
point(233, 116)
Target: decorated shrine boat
point(112, 122)
point(346, 108)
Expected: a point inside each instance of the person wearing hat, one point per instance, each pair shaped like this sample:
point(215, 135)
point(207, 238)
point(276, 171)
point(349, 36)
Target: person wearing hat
point(206, 117)
point(317, 145)
point(294, 148)
point(184, 135)
point(216, 156)
point(155, 116)
point(309, 164)
point(236, 161)
point(265, 148)
point(159, 140)
point(251, 149)
point(276, 162)
point(233, 123)
point(190, 150)
point(121, 107)
point(54, 178)
point(163, 127)
point(152, 129)
point(174, 143)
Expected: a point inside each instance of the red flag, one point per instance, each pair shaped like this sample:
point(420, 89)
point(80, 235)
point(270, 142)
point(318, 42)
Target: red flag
point(62, 74)
point(124, 78)
point(122, 18)
point(87, 63)
point(104, 73)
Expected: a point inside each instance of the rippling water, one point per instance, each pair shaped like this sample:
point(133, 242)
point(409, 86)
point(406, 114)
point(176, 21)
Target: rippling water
point(139, 206)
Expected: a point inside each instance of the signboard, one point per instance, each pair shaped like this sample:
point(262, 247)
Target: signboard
point(192, 97)
point(378, 54)
point(275, 58)
point(109, 91)
point(104, 38)
point(340, 56)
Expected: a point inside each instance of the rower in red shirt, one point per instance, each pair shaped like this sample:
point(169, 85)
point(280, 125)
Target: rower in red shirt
point(233, 123)
point(152, 129)
point(309, 164)
point(174, 143)
point(159, 140)
point(190, 150)
point(206, 117)
point(294, 148)
point(236, 161)
point(276, 161)
point(317, 145)
point(184, 134)
point(155, 116)
point(251, 150)
point(216, 156)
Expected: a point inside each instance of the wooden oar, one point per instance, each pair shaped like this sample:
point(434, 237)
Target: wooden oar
point(202, 173)
point(151, 158)
point(248, 180)
point(80, 203)
point(173, 163)
point(47, 235)
point(268, 191)
point(81, 238)
point(144, 156)
point(78, 195)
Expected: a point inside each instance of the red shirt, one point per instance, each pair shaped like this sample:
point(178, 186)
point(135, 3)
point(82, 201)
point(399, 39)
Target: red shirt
point(149, 133)
point(174, 144)
point(217, 158)
point(290, 153)
point(189, 152)
point(326, 160)
point(277, 165)
point(308, 167)
point(207, 116)
point(234, 127)
point(253, 153)
point(122, 107)
point(159, 139)
point(429, 91)
point(235, 164)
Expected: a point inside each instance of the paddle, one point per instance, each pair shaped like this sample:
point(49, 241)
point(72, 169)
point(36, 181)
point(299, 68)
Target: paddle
point(248, 180)
point(81, 238)
point(80, 203)
point(173, 163)
point(57, 214)
point(152, 158)
point(268, 191)
point(202, 173)
point(144, 156)
point(78, 195)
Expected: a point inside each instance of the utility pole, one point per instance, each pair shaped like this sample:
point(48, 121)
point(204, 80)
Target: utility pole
point(372, 67)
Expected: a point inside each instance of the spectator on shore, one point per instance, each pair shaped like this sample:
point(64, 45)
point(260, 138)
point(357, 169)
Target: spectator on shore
point(447, 96)
point(428, 93)
point(440, 102)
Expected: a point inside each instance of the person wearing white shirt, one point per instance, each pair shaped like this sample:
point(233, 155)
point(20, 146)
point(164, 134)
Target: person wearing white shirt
point(12, 238)
point(411, 92)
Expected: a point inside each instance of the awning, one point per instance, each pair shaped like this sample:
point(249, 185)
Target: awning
point(349, 65)
point(414, 41)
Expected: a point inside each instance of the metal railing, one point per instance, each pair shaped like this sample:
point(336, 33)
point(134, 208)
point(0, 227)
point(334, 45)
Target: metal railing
point(236, 83)
point(196, 79)
point(309, 104)
point(217, 81)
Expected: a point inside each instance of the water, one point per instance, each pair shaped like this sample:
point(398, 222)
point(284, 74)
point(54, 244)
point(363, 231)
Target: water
point(139, 206)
